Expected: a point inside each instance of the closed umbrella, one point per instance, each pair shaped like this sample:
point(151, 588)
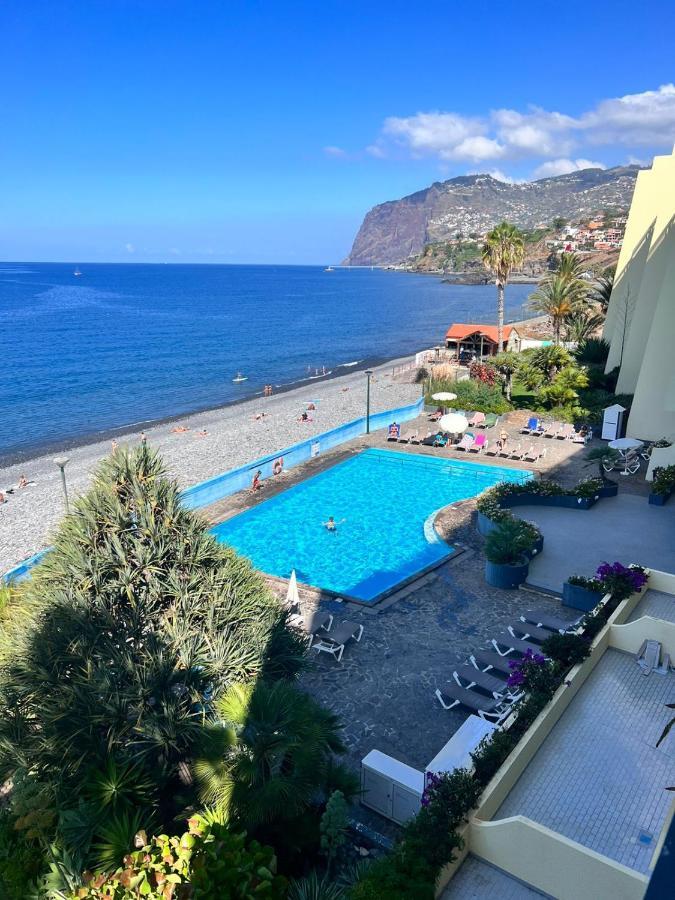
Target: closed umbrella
point(444, 395)
point(292, 597)
point(453, 423)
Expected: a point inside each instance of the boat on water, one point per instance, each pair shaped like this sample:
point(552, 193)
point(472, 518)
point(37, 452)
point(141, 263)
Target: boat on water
point(239, 377)
point(329, 269)
point(77, 272)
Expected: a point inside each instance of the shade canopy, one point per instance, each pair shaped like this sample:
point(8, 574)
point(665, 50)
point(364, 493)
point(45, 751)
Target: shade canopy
point(292, 597)
point(453, 423)
point(624, 444)
point(444, 395)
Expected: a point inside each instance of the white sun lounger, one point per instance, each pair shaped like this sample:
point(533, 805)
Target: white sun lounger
point(485, 707)
point(336, 641)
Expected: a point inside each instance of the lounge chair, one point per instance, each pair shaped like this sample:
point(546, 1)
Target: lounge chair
point(552, 429)
point(474, 677)
point(393, 432)
point(415, 439)
point(466, 443)
point(335, 642)
point(553, 623)
point(507, 451)
point(532, 425)
point(480, 443)
point(476, 419)
point(485, 707)
point(435, 416)
point(566, 433)
point(407, 436)
point(489, 421)
point(525, 631)
point(517, 453)
point(648, 656)
point(513, 645)
point(532, 454)
point(489, 661)
point(582, 437)
point(492, 451)
point(429, 438)
point(317, 623)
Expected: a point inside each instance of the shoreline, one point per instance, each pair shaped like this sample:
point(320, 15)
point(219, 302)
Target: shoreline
point(214, 441)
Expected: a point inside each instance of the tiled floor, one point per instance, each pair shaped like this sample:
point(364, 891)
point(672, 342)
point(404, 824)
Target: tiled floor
point(657, 604)
point(476, 880)
point(598, 778)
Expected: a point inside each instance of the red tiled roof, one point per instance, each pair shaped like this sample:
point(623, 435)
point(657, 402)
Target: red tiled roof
point(458, 332)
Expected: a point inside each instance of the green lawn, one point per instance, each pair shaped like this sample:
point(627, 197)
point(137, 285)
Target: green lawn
point(522, 398)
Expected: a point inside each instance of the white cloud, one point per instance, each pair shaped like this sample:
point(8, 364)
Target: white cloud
point(644, 119)
point(564, 166)
point(498, 175)
point(129, 247)
point(335, 152)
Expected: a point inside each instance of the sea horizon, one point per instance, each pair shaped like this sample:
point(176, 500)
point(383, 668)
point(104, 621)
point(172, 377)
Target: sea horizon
point(132, 344)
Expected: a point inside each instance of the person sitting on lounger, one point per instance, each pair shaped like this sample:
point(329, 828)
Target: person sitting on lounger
point(304, 418)
point(23, 481)
point(257, 481)
point(394, 431)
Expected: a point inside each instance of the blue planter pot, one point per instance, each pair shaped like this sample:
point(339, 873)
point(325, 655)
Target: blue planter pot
point(659, 499)
point(538, 547)
point(609, 489)
point(561, 501)
point(504, 576)
point(485, 525)
point(578, 597)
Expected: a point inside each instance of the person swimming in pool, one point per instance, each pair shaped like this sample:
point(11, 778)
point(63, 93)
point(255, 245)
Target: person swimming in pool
point(331, 524)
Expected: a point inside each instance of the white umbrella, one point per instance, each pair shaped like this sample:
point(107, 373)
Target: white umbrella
point(444, 395)
point(292, 597)
point(625, 444)
point(453, 423)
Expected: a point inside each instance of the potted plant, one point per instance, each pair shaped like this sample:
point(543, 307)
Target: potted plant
point(663, 485)
point(507, 555)
point(582, 593)
point(605, 456)
point(588, 492)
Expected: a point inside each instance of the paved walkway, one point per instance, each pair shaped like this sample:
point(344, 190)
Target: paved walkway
point(656, 604)
point(598, 779)
point(477, 880)
point(624, 528)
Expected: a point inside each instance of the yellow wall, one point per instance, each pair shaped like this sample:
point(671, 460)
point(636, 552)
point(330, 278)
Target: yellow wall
point(641, 317)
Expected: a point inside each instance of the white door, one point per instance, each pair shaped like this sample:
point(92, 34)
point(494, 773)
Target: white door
point(376, 791)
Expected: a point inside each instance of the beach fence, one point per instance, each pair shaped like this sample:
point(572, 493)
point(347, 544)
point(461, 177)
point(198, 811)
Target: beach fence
point(220, 486)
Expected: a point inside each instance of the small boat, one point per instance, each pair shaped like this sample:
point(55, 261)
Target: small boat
point(329, 269)
point(239, 377)
point(77, 272)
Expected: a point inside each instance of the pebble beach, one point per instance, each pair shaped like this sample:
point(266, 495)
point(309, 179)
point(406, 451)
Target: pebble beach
point(235, 435)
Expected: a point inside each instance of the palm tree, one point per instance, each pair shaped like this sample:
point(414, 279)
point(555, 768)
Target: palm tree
point(579, 326)
point(272, 758)
point(601, 290)
point(503, 251)
point(558, 297)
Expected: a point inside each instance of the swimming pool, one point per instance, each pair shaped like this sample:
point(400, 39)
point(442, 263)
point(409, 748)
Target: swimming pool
point(386, 499)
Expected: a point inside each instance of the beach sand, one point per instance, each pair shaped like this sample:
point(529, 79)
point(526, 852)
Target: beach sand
point(234, 438)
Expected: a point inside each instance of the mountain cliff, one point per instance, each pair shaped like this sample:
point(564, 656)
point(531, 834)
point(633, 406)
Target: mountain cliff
point(471, 204)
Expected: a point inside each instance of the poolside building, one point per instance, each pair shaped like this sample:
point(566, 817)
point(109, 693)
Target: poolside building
point(480, 340)
point(641, 317)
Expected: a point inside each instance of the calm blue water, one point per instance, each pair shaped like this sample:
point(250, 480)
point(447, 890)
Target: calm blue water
point(385, 499)
point(123, 344)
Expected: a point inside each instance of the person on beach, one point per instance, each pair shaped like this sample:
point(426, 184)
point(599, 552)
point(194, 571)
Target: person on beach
point(179, 429)
point(113, 445)
point(3, 499)
point(503, 439)
point(311, 406)
point(257, 481)
point(305, 418)
point(144, 439)
point(202, 433)
point(23, 481)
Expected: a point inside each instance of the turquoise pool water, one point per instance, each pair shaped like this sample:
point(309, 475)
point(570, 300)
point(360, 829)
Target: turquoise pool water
point(386, 500)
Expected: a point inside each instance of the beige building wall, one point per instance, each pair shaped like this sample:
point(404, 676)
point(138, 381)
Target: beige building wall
point(640, 322)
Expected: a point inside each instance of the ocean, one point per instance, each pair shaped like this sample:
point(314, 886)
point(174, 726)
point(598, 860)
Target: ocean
point(122, 345)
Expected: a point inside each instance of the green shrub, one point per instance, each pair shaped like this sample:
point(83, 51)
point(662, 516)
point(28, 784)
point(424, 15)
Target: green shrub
point(592, 350)
point(507, 543)
point(566, 649)
point(472, 395)
point(664, 480)
point(491, 753)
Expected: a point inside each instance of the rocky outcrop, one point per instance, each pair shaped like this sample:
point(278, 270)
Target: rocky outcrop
point(471, 204)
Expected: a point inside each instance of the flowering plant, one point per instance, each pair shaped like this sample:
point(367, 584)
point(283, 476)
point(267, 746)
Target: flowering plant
point(527, 672)
point(621, 581)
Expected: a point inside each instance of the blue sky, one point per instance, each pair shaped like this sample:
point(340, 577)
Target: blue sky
point(263, 131)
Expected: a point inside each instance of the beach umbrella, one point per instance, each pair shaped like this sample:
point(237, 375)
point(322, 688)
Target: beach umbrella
point(453, 423)
point(292, 597)
point(444, 395)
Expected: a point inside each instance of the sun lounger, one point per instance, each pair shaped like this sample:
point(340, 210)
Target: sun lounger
point(507, 451)
point(466, 443)
point(648, 656)
point(477, 419)
point(532, 425)
point(474, 677)
point(553, 623)
point(532, 454)
point(485, 707)
point(317, 623)
point(407, 436)
point(513, 645)
point(584, 437)
point(566, 433)
point(489, 421)
point(393, 432)
point(480, 443)
point(516, 453)
point(435, 416)
point(552, 429)
point(415, 439)
point(525, 631)
point(489, 661)
point(493, 450)
point(336, 641)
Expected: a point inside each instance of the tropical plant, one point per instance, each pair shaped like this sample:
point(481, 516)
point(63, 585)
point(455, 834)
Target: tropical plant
point(605, 457)
point(483, 372)
point(503, 251)
point(127, 629)
point(566, 649)
point(601, 290)
point(664, 480)
point(507, 543)
point(564, 389)
point(314, 888)
point(581, 325)
point(557, 297)
point(592, 350)
point(270, 761)
point(333, 828)
point(507, 364)
point(472, 395)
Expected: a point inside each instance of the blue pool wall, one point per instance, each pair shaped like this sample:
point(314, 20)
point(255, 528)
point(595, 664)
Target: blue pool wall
point(234, 480)
point(220, 486)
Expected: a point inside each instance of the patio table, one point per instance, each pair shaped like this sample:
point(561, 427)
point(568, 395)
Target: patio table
point(624, 447)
